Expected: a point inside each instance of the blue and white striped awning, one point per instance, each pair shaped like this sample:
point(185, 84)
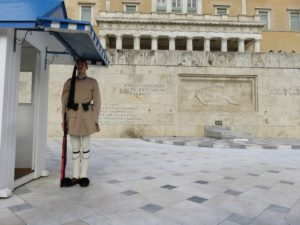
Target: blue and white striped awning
point(78, 37)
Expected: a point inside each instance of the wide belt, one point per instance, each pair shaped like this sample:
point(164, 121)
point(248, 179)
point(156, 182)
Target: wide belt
point(75, 106)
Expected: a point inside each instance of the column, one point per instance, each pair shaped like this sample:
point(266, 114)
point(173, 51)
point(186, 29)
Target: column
point(257, 45)
point(244, 7)
point(171, 43)
point(103, 41)
point(189, 44)
point(207, 44)
point(136, 42)
point(154, 42)
point(241, 45)
point(154, 5)
point(184, 6)
point(119, 41)
point(199, 7)
point(169, 5)
point(107, 6)
point(224, 45)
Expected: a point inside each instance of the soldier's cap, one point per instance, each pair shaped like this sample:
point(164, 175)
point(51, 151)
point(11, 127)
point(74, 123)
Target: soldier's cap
point(81, 60)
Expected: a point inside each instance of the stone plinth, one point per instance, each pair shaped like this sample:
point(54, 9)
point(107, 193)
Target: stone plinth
point(222, 132)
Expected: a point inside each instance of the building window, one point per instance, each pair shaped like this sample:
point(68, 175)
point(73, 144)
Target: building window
point(86, 13)
point(192, 5)
point(295, 21)
point(176, 5)
point(264, 17)
point(161, 5)
point(130, 8)
point(221, 10)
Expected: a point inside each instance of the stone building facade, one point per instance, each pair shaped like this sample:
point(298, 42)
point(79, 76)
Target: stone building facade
point(177, 93)
point(179, 65)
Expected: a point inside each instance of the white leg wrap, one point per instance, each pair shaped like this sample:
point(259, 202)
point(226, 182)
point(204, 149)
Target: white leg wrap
point(85, 155)
point(75, 141)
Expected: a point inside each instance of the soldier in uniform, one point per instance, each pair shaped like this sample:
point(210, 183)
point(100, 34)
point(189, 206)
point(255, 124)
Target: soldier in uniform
point(82, 108)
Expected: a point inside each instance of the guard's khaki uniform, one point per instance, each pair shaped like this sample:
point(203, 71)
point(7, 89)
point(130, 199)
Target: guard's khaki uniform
point(80, 122)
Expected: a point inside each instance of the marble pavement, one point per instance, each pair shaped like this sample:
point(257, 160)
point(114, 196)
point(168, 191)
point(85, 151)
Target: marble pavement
point(136, 182)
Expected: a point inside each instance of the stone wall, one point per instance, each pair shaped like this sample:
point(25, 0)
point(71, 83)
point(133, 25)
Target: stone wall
point(177, 93)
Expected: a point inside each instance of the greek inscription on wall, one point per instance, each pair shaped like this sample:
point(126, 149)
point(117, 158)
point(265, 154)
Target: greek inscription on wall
point(142, 89)
point(281, 91)
point(200, 93)
point(118, 114)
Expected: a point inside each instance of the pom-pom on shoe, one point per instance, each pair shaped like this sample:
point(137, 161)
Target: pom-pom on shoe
point(84, 182)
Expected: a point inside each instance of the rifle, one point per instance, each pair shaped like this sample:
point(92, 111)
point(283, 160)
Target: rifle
point(65, 181)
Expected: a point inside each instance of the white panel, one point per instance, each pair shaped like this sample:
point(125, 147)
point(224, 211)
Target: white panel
point(10, 66)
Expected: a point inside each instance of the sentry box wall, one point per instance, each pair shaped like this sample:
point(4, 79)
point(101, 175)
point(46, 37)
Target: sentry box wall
point(33, 34)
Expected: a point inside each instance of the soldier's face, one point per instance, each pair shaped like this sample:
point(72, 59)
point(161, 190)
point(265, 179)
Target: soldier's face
point(81, 67)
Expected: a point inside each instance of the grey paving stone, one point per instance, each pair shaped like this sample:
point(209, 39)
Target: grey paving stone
point(235, 145)
point(204, 171)
point(18, 208)
point(262, 187)
point(178, 174)
point(295, 146)
point(239, 219)
point(113, 181)
point(152, 208)
point(148, 178)
point(229, 178)
point(129, 192)
point(197, 199)
point(21, 191)
point(273, 171)
point(278, 208)
point(233, 192)
point(269, 147)
point(201, 182)
point(168, 186)
point(253, 174)
point(205, 144)
point(287, 182)
point(182, 143)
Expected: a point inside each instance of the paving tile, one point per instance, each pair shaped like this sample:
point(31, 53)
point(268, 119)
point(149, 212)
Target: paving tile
point(182, 143)
point(287, 182)
point(262, 187)
point(20, 207)
point(239, 219)
point(75, 222)
point(21, 191)
point(197, 199)
point(178, 174)
point(233, 192)
point(278, 208)
point(168, 186)
point(201, 182)
point(148, 178)
point(129, 192)
point(229, 178)
point(253, 174)
point(273, 171)
point(113, 181)
point(152, 208)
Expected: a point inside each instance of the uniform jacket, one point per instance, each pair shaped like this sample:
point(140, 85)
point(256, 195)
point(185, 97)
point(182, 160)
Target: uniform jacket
point(80, 122)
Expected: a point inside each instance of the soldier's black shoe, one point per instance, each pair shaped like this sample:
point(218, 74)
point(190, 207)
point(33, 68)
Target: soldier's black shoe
point(68, 182)
point(84, 182)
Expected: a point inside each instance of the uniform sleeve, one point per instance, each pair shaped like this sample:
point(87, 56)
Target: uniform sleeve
point(64, 97)
point(96, 100)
